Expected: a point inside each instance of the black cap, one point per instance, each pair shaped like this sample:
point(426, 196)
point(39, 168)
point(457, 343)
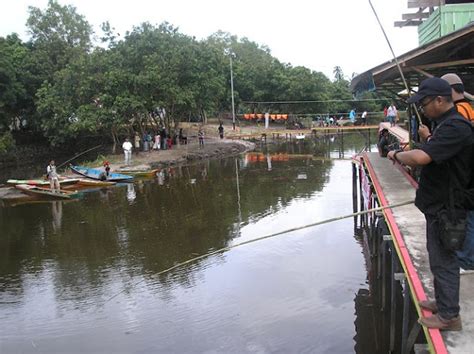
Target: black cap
point(434, 86)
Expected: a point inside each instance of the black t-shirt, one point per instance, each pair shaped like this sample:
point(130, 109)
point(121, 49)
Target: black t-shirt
point(384, 146)
point(451, 142)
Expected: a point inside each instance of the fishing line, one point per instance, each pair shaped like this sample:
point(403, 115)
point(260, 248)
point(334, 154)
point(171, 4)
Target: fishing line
point(227, 248)
point(396, 60)
point(75, 157)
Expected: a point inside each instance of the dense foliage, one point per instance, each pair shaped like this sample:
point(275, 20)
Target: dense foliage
point(61, 84)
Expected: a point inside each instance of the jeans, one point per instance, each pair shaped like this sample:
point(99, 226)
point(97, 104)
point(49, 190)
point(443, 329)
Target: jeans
point(445, 268)
point(391, 119)
point(466, 254)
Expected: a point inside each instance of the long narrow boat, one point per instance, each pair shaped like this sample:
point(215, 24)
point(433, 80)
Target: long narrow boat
point(140, 173)
point(83, 183)
point(96, 174)
point(45, 192)
point(42, 182)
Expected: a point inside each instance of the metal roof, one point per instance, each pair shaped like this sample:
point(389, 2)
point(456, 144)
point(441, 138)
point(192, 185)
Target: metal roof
point(451, 53)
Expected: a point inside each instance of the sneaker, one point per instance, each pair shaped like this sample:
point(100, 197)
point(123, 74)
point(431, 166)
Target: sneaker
point(436, 321)
point(463, 271)
point(429, 305)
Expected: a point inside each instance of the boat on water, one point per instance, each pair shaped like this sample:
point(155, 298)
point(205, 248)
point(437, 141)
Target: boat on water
point(42, 182)
point(98, 175)
point(300, 136)
point(140, 173)
point(41, 192)
point(85, 183)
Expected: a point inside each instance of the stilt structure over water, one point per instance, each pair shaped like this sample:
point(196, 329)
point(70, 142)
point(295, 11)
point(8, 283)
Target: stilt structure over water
point(290, 134)
point(399, 260)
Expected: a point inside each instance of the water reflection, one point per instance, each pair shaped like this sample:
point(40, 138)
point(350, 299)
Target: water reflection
point(265, 297)
point(131, 194)
point(57, 211)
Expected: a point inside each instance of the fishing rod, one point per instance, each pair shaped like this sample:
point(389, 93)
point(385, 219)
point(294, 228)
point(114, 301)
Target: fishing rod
point(227, 248)
point(396, 61)
point(82, 153)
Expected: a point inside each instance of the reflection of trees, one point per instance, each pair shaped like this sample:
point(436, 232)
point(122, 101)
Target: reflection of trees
point(166, 224)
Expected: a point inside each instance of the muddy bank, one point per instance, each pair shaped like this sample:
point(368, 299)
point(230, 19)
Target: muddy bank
point(183, 154)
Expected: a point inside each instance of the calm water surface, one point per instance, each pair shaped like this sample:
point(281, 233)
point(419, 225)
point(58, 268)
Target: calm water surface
point(81, 276)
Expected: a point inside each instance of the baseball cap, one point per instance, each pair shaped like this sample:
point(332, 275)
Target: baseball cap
point(434, 86)
point(452, 79)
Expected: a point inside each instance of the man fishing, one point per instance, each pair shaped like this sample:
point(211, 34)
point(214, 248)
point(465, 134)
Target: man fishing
point(53, 177)
point(445, 155)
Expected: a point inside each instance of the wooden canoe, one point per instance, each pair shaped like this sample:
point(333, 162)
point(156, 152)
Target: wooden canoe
point(140, 173)
point(42, 182)
point(41, 192)
point(95, 174)
point(90, 183)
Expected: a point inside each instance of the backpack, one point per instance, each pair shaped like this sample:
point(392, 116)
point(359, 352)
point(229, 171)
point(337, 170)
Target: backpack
point(464, 108)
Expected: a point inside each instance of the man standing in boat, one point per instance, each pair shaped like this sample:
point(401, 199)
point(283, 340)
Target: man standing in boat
point(53, 177)
point(445, 155)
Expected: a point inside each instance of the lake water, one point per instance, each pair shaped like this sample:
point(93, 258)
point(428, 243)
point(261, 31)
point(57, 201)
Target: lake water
point(81, 276)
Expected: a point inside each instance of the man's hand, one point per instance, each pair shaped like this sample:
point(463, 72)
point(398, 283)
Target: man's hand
point(391, 156)
point(424, 132)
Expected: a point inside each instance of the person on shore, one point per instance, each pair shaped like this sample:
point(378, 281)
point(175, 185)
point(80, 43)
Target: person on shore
point(157, 144)
point(201, 137)
point(392, 114)
point(149, 140)
point(445, 154)
point(127, 151)
point(163, 138)
point(137, 142)
point(53, 177)
point(221, 131)
point(466, 254)
point(183, 139)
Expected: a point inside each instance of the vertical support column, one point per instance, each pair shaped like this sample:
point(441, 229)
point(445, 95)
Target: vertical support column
point(406, 314)
point(342, 142)
point(369, 148)
point(383, 270)
point(393, 299)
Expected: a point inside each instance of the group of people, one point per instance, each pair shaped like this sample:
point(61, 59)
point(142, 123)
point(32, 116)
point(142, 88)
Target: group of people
point(161, 141)
point(445, 156)
point(353, 117)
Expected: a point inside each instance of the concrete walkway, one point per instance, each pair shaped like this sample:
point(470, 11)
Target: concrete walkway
point(411, 223)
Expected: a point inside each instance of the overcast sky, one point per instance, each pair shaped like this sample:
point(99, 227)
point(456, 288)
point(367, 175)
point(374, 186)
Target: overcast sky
point(314, 33)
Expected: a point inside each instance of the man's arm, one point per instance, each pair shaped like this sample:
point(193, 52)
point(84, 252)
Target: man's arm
point(411, 158)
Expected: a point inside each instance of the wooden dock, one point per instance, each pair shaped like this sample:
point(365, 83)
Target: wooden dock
point(291, 133)
point(383, 183)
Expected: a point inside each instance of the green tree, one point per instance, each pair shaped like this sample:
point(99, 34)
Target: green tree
point(13, 91)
